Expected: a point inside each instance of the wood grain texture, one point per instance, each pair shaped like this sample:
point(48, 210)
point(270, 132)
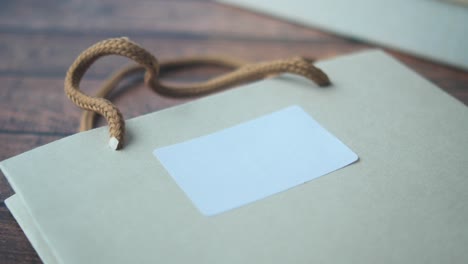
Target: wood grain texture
point(160, 17)
point(40, 39)
point(38, 54)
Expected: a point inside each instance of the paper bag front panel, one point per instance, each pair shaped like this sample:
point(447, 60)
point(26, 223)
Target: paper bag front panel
point(404, 201)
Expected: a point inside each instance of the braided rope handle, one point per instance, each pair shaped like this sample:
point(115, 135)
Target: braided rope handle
point(165, 67)
point(242, 73)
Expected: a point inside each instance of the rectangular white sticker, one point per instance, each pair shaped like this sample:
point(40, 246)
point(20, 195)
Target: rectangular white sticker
point(253, 160)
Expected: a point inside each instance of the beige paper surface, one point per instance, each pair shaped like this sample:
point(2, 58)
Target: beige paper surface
point(27, 223)
point(433, 29)
point(403, 202)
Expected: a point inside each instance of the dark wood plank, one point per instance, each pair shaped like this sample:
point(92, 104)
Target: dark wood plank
point(144, 17)
point(51, 55)
point(35, 106)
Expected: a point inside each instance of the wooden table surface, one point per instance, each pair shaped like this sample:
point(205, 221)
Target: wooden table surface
point(40, 39)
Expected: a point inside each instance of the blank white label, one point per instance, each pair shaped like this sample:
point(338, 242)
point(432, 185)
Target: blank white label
point(253, 160)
